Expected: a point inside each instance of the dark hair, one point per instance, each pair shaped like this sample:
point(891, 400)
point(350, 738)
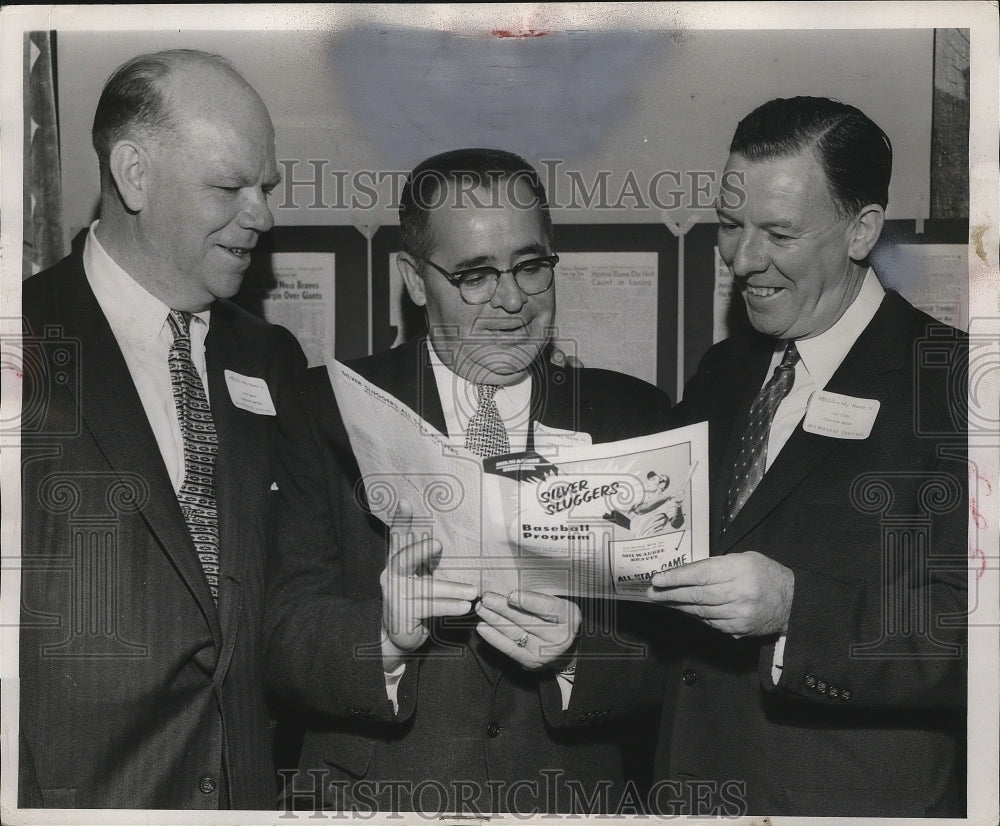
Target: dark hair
point(855, 153)
point(474, 168)
point(135, 99)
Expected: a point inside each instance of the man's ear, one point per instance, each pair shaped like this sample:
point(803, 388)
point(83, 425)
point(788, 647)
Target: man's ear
point(412, 278)
point(865, 231)
point(129, 168)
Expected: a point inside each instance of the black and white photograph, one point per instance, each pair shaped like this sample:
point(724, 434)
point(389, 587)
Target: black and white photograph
point(500, 413)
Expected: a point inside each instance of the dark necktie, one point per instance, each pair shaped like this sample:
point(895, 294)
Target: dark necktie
point(197, 493)
point(752, 459)
point(486, 436)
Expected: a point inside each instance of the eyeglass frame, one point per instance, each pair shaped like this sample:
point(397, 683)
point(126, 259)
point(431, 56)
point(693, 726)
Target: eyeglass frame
point(455, 278)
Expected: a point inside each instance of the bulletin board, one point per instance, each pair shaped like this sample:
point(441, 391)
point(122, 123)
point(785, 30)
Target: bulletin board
point(314, 281)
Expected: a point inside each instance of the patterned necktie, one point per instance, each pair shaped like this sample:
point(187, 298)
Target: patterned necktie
point(197, 494)
point(752, 459)
point(486, 436)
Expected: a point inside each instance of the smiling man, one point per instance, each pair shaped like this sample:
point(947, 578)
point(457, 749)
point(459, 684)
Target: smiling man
point(435, 697)
point(147, 445)
point(821, 647)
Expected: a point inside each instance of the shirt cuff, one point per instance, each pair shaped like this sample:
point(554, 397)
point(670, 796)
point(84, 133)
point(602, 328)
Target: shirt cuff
point(392, 679)
point(778, 661)
point(564, 679)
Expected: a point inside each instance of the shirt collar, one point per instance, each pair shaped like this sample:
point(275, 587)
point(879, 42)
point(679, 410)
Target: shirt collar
point(822, 354)
point(453, 389)
point(136, 315)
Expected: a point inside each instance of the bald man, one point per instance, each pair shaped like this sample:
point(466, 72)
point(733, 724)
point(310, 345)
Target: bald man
point(149, 405)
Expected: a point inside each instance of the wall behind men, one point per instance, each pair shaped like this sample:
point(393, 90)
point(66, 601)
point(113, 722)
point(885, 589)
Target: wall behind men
point(623, 125)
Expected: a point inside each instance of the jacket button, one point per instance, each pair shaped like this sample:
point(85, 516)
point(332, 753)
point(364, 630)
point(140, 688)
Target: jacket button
point(207, 784)
point(810, 681)
point(689, 677)
point(845, 694)
point(821, 687)
point(834, 691)
point(493, 729)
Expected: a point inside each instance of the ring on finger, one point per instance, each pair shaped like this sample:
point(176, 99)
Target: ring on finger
point(522, 641)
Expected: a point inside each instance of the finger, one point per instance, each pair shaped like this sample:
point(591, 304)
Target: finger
point(428, 608)
point(710, 614)
point(504, 623)
point(500, 606)
point(543, 606)
point(402, 517)
point(524, 655)
point(449, 589)
point(551, 637)
point(430, 589)
point(692, 595)
point(702, 572)
point(401, 527)
point(415, 557)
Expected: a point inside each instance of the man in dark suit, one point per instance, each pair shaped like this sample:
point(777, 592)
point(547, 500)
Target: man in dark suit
point(822, 644)
point(148, 433)
point(411, 702)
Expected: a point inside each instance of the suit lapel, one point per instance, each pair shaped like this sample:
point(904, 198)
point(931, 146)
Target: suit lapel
point(875, 353)
point(554, 401)
point(410, 378)
point(113, 414)
point(233, 467)
point(727, 421)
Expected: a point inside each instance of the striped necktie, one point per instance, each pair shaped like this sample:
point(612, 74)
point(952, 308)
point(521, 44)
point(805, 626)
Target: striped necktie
point(752, 459)
point(197, 493)
point(485, 435)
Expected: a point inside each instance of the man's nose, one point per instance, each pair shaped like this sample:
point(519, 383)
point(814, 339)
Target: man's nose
point(750, 255)
point(508, 295)
point(256, 214)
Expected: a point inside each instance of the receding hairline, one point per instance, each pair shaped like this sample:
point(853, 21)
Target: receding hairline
point(186, 73)
point(173, 77)
point(492, 184)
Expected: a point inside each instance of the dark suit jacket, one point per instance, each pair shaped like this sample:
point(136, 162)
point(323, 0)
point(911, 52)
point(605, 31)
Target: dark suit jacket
point(868, 716)
point(467, 714)
point(136, 692)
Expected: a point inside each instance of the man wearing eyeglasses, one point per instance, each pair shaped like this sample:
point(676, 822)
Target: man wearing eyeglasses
point(431, 696)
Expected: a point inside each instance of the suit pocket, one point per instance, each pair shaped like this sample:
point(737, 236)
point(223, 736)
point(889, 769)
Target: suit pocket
point(350, 753)
point(63, 797)
point(860, 802)
point(348, 758)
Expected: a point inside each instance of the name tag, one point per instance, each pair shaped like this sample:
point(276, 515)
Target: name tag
point(250, 393)
point(840, 416)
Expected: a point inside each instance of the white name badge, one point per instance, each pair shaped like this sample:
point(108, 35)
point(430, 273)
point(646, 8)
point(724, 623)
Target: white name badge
point(839, 416)
point(250, 393)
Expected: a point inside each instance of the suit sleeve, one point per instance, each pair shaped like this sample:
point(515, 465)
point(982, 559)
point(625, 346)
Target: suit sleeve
point(322, 626)
point(618, 677)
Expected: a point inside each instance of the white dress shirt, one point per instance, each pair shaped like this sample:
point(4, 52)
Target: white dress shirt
point(459, 402)
point(820, 358)
point(138, 320)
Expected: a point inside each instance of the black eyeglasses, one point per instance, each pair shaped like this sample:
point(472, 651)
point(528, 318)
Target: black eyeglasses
point(477, 285)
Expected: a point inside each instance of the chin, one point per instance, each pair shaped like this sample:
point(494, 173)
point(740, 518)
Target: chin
point(767, 325)
point(226, 287)
point(500, 366)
